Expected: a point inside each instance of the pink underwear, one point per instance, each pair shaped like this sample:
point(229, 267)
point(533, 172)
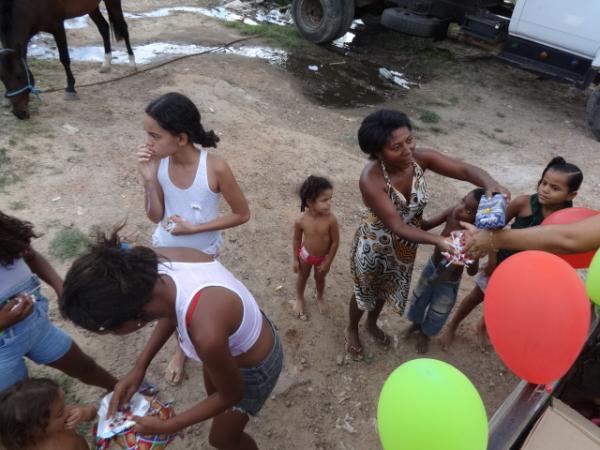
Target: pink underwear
point(308, 258)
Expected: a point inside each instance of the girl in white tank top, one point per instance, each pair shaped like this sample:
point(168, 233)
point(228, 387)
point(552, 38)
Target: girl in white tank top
point(183, 185)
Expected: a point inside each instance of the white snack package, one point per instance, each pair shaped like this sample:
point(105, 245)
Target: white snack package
point(107, 428)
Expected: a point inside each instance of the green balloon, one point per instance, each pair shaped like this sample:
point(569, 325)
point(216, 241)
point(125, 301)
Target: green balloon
point(426, 404)
point(592, 282)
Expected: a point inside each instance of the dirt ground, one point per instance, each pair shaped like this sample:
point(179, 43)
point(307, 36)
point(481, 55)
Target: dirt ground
point(72, 165)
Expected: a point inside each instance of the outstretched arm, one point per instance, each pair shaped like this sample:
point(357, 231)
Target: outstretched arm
point(428, 224)
point(575, 237)
point(459, 170)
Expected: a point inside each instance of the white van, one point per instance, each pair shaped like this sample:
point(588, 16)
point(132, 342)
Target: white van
point(557, 38)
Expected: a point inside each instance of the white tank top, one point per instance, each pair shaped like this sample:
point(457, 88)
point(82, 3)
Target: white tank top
point(196, 204)
point(11, 276)
point(189, 279)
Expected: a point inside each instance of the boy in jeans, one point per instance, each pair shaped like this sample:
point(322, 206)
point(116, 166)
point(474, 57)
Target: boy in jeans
point(434, 296)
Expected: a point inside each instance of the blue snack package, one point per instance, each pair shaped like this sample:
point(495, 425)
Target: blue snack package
point(491, 212)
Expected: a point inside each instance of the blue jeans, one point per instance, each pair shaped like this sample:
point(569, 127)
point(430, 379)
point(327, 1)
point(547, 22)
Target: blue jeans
point(260, 380)
point(430, 303)
point(34, 337)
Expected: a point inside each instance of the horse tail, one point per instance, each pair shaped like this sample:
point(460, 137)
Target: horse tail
point(118, 25)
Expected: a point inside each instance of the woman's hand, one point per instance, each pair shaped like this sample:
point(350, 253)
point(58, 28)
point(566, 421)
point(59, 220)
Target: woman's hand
point(15, 310)
point(477, 242)
point(444, 245)
point(149, 425)
point(148, 163)
point(76, 414)
point(124, 390)
point(180, 227)
point(489, 191)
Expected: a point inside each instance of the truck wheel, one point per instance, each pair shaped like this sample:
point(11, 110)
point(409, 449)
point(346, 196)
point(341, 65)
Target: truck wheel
point(593, 112)
point(349, 11)
point(407, 22)
point(319, 20)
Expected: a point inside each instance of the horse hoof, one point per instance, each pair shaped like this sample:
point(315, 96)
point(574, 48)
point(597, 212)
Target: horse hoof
point(104, 69)
point(70, 96)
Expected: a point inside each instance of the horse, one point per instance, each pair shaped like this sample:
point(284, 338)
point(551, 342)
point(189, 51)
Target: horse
point(20, 20)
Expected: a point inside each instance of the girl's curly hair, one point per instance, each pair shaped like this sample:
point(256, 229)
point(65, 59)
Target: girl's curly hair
point(109, 285)
point(25, 412)
point(15, 238)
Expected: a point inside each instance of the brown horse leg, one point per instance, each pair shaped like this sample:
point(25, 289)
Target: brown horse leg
point(117, 19)
point(63, 52)
point(104, 30)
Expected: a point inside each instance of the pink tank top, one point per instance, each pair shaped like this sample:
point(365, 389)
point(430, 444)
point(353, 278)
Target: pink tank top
point(191, 278)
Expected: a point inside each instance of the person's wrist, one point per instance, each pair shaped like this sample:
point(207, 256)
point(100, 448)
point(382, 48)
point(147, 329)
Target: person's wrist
point(491, 241)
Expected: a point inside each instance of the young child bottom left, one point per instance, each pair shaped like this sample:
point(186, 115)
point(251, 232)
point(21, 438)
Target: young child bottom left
point(33, 416)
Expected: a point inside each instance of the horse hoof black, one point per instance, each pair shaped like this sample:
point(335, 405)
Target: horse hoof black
point(21, 115)
point(70, 96)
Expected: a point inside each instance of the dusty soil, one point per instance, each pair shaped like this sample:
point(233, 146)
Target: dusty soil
point(74, 167)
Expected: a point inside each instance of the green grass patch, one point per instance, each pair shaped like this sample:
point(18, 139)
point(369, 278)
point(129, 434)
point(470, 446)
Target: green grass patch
point(429, 117)
point(7, 171)
point(69, 243)
point(285, 36)
point(437, 130)
point(17, 205)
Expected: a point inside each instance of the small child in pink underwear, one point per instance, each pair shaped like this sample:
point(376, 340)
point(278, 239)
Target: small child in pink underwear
point(316, 239)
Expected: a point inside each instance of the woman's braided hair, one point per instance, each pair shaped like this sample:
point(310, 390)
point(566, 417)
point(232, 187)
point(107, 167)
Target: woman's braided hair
point(110, 284)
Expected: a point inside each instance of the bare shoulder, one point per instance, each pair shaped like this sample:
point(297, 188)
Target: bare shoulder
point(216, 162)
point(65, 440)
point(371, 177)
point(520, 202)
point(424, 156)
point(332, 220)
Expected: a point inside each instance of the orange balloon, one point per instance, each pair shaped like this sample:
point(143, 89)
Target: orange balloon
point(571, 215)
point(537, 315)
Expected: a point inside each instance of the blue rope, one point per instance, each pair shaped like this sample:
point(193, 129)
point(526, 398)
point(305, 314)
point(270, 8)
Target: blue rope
point(28, 87)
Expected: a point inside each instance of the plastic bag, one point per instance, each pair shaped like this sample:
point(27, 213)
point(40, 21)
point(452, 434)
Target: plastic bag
point(107, 428)
point(491, 212)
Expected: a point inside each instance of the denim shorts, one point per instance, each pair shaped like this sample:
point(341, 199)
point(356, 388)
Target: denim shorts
point(34, 337)
point(260, 380)
point(432, 300)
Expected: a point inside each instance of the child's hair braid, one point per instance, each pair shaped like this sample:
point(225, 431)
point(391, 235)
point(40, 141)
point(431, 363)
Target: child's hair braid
point(15, 238)
point(25, 412)
point(312, 188)
point(109, 285)
point(575, 175)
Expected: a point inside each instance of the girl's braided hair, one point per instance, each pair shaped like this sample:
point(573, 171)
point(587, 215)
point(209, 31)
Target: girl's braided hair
point(312, 188)
point(25, 412)
point(109, 285)
point(15, 238)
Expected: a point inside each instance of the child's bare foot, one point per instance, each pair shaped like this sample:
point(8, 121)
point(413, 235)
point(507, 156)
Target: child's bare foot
point(352, 345)
point(299, 310)
point(446, 339)
point(422, 342)
point(406, 334)
point(321, 305)
point(378, 335)
point(175, 368)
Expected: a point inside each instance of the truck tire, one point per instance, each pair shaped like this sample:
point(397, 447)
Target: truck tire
point(593, 112)
point(349, 11)
point(319, 21)
point(404, 21)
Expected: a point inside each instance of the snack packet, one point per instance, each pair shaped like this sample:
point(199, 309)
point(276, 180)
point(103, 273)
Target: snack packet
point(458, 256)
point(491, 212)
point(109, 427)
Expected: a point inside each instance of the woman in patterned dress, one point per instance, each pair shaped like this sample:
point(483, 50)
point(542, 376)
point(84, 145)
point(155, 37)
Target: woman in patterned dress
point(393, 190)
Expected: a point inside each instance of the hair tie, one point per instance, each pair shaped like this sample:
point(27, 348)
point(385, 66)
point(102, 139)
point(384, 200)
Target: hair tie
point(124, 246)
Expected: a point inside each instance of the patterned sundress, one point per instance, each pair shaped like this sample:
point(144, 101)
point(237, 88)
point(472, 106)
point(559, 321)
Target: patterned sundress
point(382, 262)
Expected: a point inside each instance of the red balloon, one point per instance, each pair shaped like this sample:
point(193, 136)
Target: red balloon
point(537, 315)
point(570, 215)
